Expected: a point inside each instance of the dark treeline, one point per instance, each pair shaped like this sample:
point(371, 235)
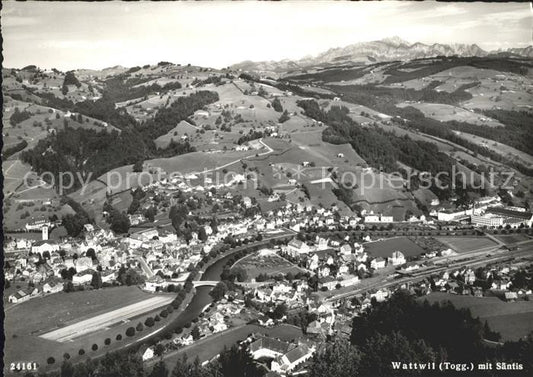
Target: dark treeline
point(120, 88)
point(19, 116)
point(233, 362)
point(402, 329)
point(10, 151)
point(84, 151)
point(168, 117)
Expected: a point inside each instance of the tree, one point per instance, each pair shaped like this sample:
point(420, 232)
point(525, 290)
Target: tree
point(138, 166)
point(280, 311)
point(202, 235)
point(181, 369)
point(118, 337)
point(139, 327)
point(50, 360)
point(284, 117)
point(107, 341)
point(195, 333)
point(159, 370)
point(219, 291)
point(130, 331)
point(159, 349)
point(96, 281)
point(276, 105)
point(94, 347)
point(121, 365)
point(149, 322)
point(91, 253)
point(238, 362)
point(339, 359)
point(81, 352)
point(381, 350)
point(68, 287)
point(67, 370)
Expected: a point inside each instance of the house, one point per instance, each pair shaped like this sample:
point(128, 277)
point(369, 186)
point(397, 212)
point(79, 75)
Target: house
point(377, 263)
point(109, 276)
point(247, 202)
point(290, 360)
point(41, 247)
point(511, 296)
point(268, 347)
point(53, 287)
point(84, 263)
point(148, 354)
point(265, 321)
point(19, 296)
point(37, 224)
point(328, 282)
point(501, 285)
point(348, 280)
point(397, 258)
point(81, 278)
point(296, 247)
point(345, 249)
point(380, 296)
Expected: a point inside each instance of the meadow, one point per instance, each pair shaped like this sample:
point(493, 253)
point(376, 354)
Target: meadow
point(511, 319)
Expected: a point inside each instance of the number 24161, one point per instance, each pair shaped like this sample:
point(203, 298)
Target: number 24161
point(23, 366)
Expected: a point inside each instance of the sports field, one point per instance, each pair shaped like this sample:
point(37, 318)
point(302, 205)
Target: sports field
point(60, 315)
point(385, 248)
point(105, 320)
point(466, 244)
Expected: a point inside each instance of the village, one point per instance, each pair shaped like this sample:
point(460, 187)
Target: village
point(315, 281)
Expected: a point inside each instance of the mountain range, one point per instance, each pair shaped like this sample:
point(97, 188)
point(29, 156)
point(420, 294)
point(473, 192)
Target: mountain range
point(387, 49)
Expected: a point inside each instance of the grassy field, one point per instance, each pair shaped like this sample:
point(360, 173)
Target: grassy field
point(270, 264)
point(512, 238)
point(24, 323)
point(512, 320)
point(385, 248)
point(466, 244)
point(447, 113)
point(504, 150)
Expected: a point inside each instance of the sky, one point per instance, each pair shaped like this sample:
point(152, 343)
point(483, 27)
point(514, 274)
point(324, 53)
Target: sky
point(217, 34)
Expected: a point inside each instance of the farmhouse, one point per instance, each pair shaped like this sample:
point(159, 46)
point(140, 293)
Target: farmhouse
point(290, 360)
point(377, 263)
point(53, 287)
point(268, 347)
point(19, 296)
